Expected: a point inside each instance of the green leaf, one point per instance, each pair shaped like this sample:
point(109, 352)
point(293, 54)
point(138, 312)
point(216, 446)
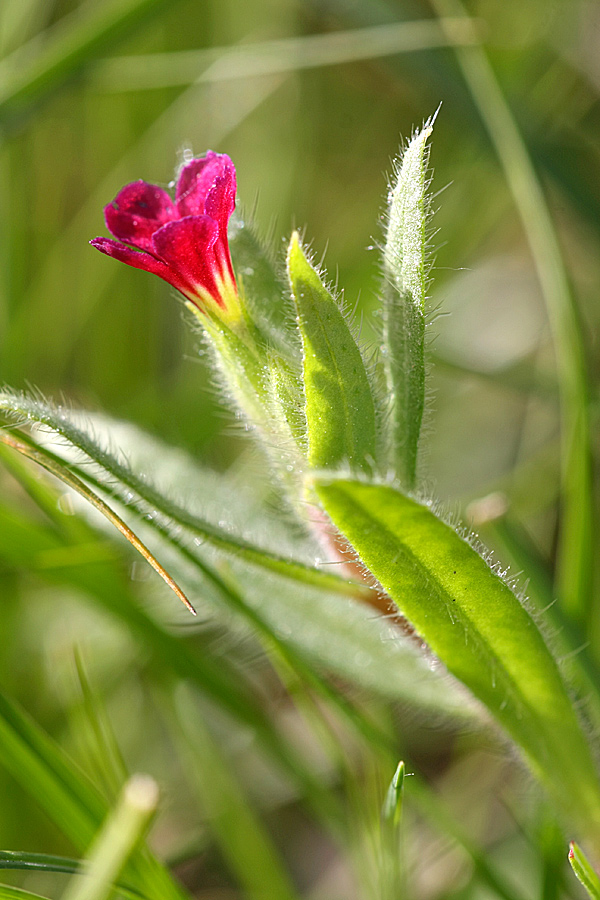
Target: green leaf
point(405, 274)
point(476, 625)
point(64, 473)
point(340, 412)
point(79, 432)
point(584, 871)
point(20, 860)
point(47, 862)
point(322, 615)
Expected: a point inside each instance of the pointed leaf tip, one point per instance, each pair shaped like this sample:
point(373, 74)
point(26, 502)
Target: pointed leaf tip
point(405, 271)
point(584, 871)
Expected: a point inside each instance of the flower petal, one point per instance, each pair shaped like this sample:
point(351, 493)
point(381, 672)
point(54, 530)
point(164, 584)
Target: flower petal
point(139, 259)
point(138, 210)
point(188, 246)
point(207, 186)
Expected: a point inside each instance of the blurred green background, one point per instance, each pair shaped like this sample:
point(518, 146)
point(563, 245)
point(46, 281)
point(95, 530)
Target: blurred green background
point(96, 94)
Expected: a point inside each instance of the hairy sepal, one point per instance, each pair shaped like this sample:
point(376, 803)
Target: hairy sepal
point(340, 413)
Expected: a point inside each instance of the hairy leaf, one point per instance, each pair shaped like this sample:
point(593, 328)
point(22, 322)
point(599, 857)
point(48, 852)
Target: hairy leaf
point(477, 626)
point(405, 273)
point(340, 412)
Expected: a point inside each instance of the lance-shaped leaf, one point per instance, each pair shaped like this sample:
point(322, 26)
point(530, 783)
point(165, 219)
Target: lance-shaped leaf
point(477, 626)
point(340, 413)
point(405, 275)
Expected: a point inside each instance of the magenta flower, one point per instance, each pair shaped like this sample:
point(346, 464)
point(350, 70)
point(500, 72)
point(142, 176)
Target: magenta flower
point(185, 241)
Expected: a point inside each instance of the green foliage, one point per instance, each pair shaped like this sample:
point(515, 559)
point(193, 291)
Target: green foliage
point(340, 413)
point(392, 808)
point(584, 871)
point(67, 795)
point(474, 622)
point(404, 294)
point(244, 843)
point(301, 686)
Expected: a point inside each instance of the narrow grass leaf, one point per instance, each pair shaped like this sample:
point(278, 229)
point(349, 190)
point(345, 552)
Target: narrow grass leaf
point(340, 413)
point(292, 54)
point(576, 541)
point(124, 828)
point(39, 764)
point(101, 748)
point(12, 893)
point(20, 860)
point(239, 832)
point(476, 625)
point(46, 862)
point(392, 807)
point(584, 871)
point(36, 69)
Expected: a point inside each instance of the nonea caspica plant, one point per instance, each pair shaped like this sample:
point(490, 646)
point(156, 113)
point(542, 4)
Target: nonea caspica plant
point(341, 429)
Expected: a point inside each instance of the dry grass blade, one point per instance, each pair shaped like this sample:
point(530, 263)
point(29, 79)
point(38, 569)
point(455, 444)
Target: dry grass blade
point(76, 484)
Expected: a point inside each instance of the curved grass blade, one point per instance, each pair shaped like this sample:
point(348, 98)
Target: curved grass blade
point(12, 893)
point(34, 411)
point(62, 472)
point(476, 625)
point(21, 860)
point(576, 547)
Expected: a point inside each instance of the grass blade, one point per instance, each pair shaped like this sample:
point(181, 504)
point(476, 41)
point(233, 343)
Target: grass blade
point(575, 553)
point(116, 841)
point(241, 836)
point(35, 70)
point(11, 893)
point(19, 860)
point(584, 871)
point(62, 472)
point(280, 56)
